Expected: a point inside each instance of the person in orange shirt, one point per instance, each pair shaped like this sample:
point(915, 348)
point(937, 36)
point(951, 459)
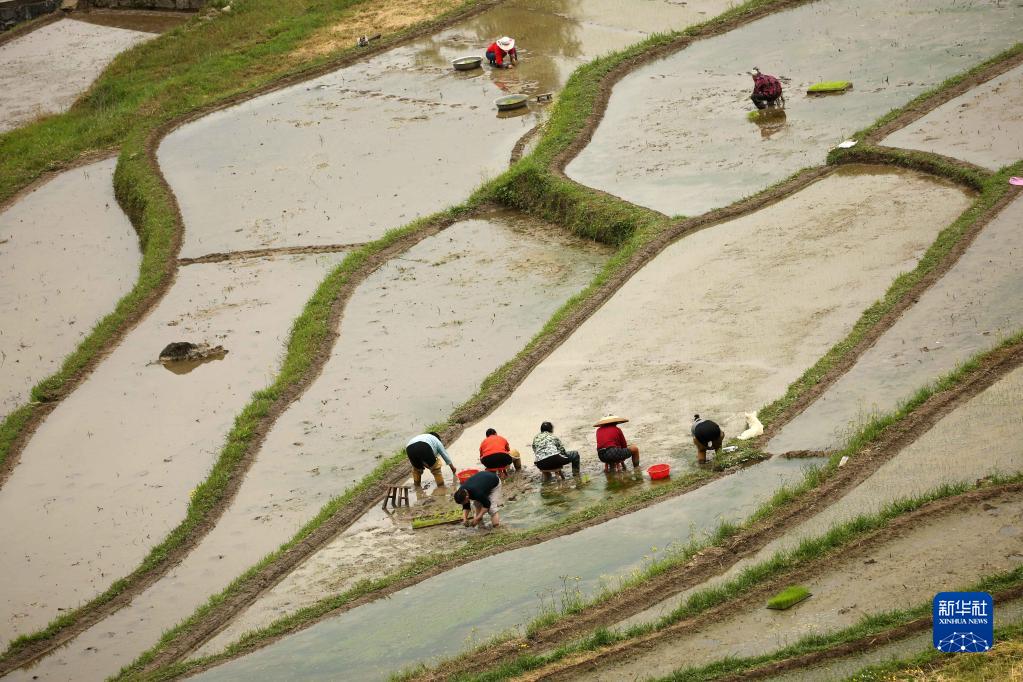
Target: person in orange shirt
point(495, 452)
point(502, 53)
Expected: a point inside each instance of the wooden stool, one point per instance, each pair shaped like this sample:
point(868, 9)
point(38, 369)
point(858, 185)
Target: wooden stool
point(502, 472)
point(397, 495)
point(617, 466)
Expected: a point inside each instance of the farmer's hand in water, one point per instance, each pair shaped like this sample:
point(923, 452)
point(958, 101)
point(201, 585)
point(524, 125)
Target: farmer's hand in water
point(454, 473)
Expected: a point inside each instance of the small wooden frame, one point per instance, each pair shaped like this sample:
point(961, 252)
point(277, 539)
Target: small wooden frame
point(397, 495)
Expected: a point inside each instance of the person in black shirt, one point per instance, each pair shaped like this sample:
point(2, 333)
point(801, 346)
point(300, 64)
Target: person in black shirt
point(481, 491)
point(706, 435)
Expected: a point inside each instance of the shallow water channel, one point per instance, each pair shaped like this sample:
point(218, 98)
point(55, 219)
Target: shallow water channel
point(382, 383)
point(463, 606)
point(980, 126)
point(45, 71)
point(905, 570)
point(67, 254)
point(675, 135)
point(988, 425)
point(970, 309)
point(345, 157)
point(108, 473)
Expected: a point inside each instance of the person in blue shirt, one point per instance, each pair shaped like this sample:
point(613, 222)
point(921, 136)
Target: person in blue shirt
point(422, 452)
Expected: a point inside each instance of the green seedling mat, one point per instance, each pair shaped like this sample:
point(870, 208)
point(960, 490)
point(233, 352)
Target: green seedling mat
point(452, 516)
point(788, 598)
point(829, 87)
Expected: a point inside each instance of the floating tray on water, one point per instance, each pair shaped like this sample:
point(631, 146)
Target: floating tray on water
point(788, 598)
point(829, 88)
point(466, 63)
point(509, 102)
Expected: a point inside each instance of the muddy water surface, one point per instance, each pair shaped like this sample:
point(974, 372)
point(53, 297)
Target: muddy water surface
point(416, 340)
point(718, 323)
point(67, 254)
point(108, 473)
point(345, 157)
point(981, 437)
point(675, 136)
point(977, 303)
point(981, 126)
point(907, 570)
point(458, 608)
point(45, 71)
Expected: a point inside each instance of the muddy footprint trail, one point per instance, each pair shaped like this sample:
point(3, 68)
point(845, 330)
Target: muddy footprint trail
point(672, 128)
point(67, 254)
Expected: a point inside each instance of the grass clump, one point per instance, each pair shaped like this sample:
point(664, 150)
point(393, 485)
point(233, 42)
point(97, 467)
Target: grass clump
point(788, 598)
point(825, 87)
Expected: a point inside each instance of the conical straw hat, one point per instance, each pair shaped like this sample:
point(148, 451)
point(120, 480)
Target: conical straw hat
point(611, 419)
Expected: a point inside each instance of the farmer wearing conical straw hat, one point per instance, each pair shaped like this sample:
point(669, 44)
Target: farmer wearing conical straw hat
point(502, 53)
point(612, 448)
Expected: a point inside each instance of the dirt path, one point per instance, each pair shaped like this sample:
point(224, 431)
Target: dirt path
point(907, 561)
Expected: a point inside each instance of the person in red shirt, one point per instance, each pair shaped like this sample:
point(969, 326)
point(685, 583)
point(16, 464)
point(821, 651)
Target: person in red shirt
point(496, 453)
point(612, 448)
point(766, 89)
point(502, 53)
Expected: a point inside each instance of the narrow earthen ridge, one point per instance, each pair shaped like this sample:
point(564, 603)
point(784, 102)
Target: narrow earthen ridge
point(29, 26)
point(857, 646)
point(269, 252)
point(914, 113)
point(716, 560)
point(594, 660)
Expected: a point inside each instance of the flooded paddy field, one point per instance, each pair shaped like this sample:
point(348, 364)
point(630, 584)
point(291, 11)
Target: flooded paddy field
point(67, 255)
point(970, 309)
point(46, 70)
point(108, 473)
point(1009, 613)
point(345, 157)
point(147, 21)
point(688, 303)
point(675, 136)
point(989, 424)
point(909, 567)
point(980, 126)
point(372, 641)
point(382, 384)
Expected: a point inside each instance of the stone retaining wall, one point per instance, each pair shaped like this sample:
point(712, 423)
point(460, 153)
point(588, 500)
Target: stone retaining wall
point(15, 11)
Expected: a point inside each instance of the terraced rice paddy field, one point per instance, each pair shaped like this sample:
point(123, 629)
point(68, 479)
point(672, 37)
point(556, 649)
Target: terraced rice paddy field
point(361, 248)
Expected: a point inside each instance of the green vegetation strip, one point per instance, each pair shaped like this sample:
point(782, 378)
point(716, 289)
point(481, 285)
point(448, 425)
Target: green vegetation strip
point(1004, 662)
point(806, 553)
point(874, 625)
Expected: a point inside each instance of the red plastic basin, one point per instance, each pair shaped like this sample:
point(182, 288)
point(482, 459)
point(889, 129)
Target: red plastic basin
point(466, 474)
point(659, 471)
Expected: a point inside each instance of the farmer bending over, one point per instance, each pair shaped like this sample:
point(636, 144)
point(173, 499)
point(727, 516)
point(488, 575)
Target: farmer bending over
point(502, 53)
point(612, 449)
point(766, 89)
point(422, 454)
point(550, 455)
point(482, 493)
point(496, 453)
point(706, 435)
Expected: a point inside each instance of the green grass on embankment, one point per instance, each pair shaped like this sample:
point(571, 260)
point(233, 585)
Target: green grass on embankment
point(806, 553)
point(1004, 663)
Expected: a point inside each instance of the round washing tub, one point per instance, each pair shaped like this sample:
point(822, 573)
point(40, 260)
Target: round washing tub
point(466, 474)
point(509, 102)
point(466, 63)
point(659, 471)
